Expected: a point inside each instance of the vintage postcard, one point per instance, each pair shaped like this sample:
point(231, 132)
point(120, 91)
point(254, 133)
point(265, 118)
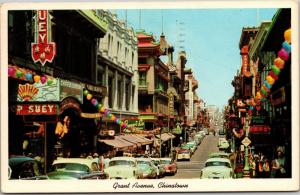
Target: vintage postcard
point(155, 96)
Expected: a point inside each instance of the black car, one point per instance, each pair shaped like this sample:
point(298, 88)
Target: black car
point(23, 167)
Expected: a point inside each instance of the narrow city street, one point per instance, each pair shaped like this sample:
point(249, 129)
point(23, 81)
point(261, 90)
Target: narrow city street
point(191, 169)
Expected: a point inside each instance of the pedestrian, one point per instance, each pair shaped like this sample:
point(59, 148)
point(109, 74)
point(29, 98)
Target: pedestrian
point(279, 164)
point(266, 168)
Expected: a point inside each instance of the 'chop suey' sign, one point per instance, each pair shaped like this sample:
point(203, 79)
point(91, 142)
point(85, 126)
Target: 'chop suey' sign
point(43, 50)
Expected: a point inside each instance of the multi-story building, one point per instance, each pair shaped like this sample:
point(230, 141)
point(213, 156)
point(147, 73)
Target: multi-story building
point(117, 69)
point(153, 80)
point(51, 61)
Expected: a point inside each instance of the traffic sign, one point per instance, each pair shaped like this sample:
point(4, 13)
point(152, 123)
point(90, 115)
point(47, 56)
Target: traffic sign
point(246, 141)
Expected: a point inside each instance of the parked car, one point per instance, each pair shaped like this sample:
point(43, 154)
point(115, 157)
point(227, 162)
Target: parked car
point(192, 145)
point(217, 168)
point(184, 154)
point(23, 167)
point(149, 170)
point(161, 168)
point(123, 168)
point(219, 155)
point(76, 168)
point(223, 144)
point(170, 165)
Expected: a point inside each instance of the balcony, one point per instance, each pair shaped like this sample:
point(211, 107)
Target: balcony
point(143, 85)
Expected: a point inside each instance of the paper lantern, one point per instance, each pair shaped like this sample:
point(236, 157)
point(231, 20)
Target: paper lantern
point(99, 106)
point(113, 118)
point(263, 91)
point(105, 111)
point(11, 71)
point(265, 88)
point(49, 81)
point(283, 54)
point(267, 85)
point(94, 101)
point(275, 70)
point(286, 46)
point(258, 95)
point(19, 74)
point(89, 96)
point(85, 92)
point(102, 109)
point(251, 107)
point(273, 75)
point(28, 76)
point(270, 80)
point(279, 63)
point(43, 79)
point(287, 35)
point(36, 78)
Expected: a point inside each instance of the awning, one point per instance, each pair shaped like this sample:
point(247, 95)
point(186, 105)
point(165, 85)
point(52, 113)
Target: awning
point(118, 143)
point(145, 141)
point(165, 136)
point(139, 140)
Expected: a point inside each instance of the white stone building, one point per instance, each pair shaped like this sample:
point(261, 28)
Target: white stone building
point(117, 67)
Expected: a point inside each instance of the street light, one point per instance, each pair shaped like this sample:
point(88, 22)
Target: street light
point(246, 172)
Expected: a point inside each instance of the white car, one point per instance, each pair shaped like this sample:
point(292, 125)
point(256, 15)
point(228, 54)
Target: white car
point(223, 144)
point(217, 168)
point(123, 168)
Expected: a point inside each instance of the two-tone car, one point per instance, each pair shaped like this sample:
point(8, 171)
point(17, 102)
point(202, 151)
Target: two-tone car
point(161, 168)
point(184, 154)
point(217, 168)
point(76, 168)
point(123, 168)
point(26, 168)
point(170, 165)
point(223, 144)
point(149, 170)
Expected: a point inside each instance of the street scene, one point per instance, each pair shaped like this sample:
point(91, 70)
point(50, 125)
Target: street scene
point(149, 94)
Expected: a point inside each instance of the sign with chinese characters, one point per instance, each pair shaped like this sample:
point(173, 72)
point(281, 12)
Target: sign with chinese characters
point(37, 109)
point(39, 92)
point(245, 61)
point(135, 124)
point(42, 49)
point(171, 104)
point(69, 88)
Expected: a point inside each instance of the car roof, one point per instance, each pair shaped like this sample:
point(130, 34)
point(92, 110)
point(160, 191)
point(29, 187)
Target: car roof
point(219, 153)
point(85, 161)
point(218, 160)
point(15, 160)
point(155, 159)
point(165, 159)
point(123, 158)
point(143, 159)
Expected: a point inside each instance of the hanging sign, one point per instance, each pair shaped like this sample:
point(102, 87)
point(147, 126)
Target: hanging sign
point(43, 50)
point(171, 104)
point(37, 109)
point(69, 88)
point(245, 61)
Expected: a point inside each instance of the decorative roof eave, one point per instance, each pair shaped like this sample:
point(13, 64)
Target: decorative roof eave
point(97, 21)
point(143, 67)
point(245, 34)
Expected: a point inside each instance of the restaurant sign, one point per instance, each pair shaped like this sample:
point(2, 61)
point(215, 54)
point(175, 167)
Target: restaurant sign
point(245, 61)
point(135, 124)
point(39, 92)
point(37, 109)
point(171, 104)
point(71, 89)
point(42, 49)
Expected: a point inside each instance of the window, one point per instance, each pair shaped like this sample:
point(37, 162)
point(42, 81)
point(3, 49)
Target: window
point(108, 44)
point(132, 94)
point(127, 96)
point(142, 80)
point(110, 92)
point(120, 96)
point(101, 77)
point(126, 54)
point(132, 58)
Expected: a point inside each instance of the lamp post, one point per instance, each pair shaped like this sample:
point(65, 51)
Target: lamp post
point(246, 172)
point(160, 124)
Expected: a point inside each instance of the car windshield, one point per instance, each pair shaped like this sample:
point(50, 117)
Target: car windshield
point(140, 162)
point(155, 162)
point(186, 147)
point(70, 167)
point(165, 161)
point(121, 162)
point(217, 163)
point(184, 152)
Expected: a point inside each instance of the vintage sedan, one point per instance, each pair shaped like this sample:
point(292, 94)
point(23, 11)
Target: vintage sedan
point(184, 154)
point(170, 165)
point(192, 145)
point(149, 170)
point(223, 144)
point(76, 168)
point(161, 168)
point(219, 155)
point(22, 167)
point(217, 168)
point(123, 168)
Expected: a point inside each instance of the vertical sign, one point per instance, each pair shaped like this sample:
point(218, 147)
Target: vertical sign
point(171, 104)
point(245, 61)
point(42, 50)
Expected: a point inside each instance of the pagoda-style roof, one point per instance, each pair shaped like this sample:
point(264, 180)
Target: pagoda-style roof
point(147, 43)
point(247, 33)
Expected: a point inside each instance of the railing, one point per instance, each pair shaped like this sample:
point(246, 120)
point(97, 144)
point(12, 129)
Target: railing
point(143, 85)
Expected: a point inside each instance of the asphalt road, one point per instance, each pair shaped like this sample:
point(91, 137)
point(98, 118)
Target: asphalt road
point(191, 169)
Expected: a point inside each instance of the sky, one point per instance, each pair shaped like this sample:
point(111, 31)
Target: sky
point(210, 38)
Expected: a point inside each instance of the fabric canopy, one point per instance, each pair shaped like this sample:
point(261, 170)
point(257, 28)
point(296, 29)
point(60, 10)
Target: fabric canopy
point(117, 143)
point(165, 136)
